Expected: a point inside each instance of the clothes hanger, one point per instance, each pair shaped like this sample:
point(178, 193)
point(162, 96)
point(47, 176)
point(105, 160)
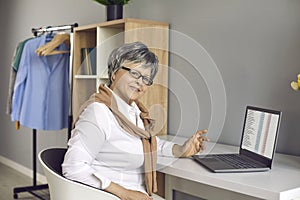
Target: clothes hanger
point(49, 48)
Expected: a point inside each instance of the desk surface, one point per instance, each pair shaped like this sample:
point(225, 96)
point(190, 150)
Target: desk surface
point(281, 182)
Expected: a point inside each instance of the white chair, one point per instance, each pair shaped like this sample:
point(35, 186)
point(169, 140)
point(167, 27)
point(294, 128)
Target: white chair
point(62, 188)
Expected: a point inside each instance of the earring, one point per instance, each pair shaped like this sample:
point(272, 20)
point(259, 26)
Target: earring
point(113, 77)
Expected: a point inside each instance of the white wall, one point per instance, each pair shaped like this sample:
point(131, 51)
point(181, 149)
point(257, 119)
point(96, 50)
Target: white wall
point(255, 45)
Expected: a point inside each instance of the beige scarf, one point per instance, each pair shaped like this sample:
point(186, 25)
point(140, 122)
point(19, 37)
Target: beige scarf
point(105, 96)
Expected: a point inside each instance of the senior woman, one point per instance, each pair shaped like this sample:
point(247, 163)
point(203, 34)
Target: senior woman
point(112, 146)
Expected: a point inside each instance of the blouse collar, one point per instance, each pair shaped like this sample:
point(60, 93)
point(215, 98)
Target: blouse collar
point(126, 109)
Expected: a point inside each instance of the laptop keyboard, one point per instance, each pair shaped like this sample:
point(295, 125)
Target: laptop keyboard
point(236, 161)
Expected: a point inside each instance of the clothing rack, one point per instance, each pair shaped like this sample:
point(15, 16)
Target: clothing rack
point(42, 30)
point(35, 187)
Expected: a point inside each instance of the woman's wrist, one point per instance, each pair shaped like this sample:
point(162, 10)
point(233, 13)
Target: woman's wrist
point(177, 150)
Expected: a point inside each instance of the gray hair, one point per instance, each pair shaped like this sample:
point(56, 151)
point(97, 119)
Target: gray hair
point(136, 52)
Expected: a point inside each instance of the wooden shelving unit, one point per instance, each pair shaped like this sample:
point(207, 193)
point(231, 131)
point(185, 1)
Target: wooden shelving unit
point(106, 36)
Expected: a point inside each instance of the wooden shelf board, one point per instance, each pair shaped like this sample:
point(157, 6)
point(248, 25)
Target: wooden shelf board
point(118, 24)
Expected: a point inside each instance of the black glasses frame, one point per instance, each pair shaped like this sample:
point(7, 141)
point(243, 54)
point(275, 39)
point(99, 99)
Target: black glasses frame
point(136, 74)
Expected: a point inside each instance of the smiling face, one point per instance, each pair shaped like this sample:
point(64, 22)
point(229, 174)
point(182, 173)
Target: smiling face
point(127, 87)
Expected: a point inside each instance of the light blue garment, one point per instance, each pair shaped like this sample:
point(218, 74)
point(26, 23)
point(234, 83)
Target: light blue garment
point(41, 90)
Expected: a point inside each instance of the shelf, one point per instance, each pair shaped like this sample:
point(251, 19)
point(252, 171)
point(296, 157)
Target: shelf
point(90, 77)
point(105, 37)
point(120, 23)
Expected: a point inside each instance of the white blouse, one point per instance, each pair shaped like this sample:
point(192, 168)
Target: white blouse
point(101, 152)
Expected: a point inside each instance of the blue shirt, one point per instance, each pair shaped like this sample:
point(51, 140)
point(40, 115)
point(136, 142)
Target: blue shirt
point(41, 90)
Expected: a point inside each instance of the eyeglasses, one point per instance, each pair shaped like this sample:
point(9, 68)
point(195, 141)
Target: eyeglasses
point(136, 74)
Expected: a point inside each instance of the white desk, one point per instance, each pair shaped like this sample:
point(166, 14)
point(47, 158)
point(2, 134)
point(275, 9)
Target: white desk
point(185, 175)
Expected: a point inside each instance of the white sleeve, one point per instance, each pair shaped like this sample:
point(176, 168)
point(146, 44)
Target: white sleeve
point(164, 148)
point(83, 147)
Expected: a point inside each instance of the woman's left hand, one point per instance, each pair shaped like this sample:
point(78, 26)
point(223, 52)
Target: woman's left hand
point(192, 146)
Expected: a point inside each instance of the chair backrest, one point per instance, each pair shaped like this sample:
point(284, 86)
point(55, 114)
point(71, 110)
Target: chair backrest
point(53, 158)
point(62, 188)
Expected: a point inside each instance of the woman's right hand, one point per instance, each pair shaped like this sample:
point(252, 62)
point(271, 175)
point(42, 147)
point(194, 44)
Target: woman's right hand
point(134, 195)
point(125, 194)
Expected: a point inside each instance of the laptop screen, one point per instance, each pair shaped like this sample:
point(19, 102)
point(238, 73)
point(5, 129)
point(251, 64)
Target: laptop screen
point(260, 131)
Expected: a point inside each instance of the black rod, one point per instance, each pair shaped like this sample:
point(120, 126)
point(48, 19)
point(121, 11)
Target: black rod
point(34, 156)
point(35, 31)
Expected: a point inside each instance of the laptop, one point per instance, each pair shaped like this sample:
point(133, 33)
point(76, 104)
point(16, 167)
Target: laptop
point(257, 146)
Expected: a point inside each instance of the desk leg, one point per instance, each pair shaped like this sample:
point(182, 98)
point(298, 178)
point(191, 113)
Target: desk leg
point(161, 184)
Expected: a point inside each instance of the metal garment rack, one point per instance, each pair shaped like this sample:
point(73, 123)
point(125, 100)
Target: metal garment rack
point(35, 187)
